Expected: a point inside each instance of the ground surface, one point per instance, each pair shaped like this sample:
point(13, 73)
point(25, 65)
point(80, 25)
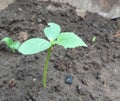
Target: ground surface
point(96, 69)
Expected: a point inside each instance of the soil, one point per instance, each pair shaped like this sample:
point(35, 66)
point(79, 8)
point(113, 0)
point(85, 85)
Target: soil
point(95, 69)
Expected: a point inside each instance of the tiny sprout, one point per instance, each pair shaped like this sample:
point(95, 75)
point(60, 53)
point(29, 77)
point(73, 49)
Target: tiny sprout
point(94, 39)
point(55, 37)
point(13, 45)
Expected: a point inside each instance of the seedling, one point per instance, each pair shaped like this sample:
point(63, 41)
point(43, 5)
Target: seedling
point(94, 39)
point(13, 45)
point(55, 37)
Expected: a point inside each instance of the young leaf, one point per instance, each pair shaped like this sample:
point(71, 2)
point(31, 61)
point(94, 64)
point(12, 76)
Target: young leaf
point(33, 46)
point(52, 31)
point(69, 40)
point(8, 41)
point(15, 45)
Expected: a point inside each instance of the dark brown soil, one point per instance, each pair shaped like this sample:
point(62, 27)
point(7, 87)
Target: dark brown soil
point(96, 69)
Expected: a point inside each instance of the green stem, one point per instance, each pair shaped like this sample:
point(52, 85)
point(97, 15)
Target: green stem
point(46, 66)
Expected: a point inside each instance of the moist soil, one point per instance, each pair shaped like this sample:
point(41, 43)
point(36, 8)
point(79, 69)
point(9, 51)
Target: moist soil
point(95, 69)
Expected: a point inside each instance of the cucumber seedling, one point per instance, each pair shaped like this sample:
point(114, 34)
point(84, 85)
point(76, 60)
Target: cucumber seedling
point(13, 45)
point(55, 37)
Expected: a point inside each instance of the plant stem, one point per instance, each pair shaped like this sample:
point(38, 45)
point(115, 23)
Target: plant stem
point(46, 66)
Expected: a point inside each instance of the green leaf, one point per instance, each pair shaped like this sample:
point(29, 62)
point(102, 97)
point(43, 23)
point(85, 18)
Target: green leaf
point(52, 31)
point(69, 40)
point(34, 45)
point(15, 45)
point(8, 41)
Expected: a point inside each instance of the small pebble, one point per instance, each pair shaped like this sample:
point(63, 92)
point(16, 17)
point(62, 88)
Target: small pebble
point(85, 82)
point(20, 9)
point(23, 36)
point(69, 79)
point(34, 80)
point(81, 91)
point(86, 67)
point(12, 83)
